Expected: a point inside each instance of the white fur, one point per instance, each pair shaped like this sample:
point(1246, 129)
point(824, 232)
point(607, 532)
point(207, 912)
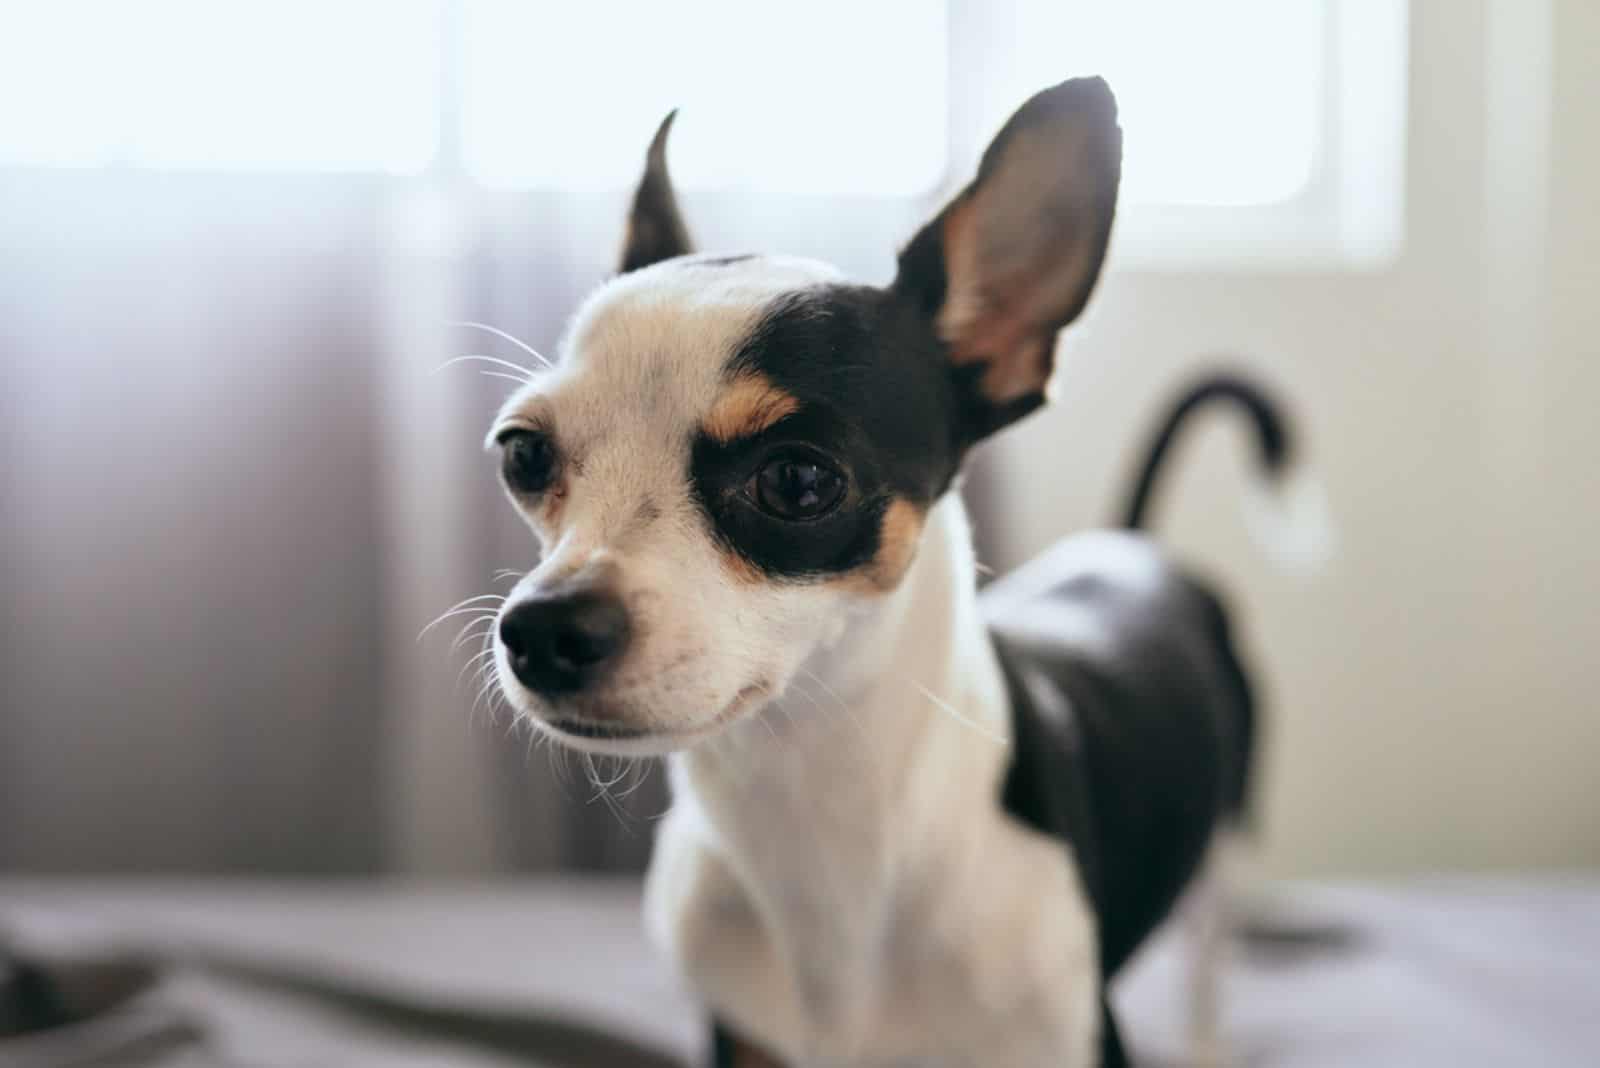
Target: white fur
point(641, 366)
point(836, 877)
point(1204, 915)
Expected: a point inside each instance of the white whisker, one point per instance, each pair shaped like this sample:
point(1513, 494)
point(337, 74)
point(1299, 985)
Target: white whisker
point(470, 600)
point(528, 375)
point(788, 713)
point(866, 750)
point(455, 608)
point(518, 342)
point(641, 776)
point(476, 627)
point(622, 767)
point(484, 673)
point(820, 681)
point(850, 713)
point(486, 651)
point(475, 611)
point(958, 717)
point(477, 672)
point(483, 691)
point(482, 636)
point(603, 792)
point(560, 757)
point(535, 740)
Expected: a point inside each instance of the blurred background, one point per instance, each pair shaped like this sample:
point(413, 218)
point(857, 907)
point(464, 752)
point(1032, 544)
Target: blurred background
point(234, 239)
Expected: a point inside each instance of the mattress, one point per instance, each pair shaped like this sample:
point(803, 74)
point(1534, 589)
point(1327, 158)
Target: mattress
point(557, 972)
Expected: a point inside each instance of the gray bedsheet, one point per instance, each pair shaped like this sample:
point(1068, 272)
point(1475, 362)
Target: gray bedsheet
point(557, 972)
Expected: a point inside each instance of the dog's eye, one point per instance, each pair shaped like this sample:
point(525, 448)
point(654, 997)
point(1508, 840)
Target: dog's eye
point(528, 461)
point(798, 487)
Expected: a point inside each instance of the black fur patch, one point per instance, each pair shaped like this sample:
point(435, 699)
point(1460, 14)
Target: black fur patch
point(921, 284)
point(923, 279)
point(655, 228)
point(871, 362)
point(1133, 747)
point(876, 401)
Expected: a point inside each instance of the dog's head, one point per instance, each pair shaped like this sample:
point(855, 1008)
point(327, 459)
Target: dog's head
point(734, 452)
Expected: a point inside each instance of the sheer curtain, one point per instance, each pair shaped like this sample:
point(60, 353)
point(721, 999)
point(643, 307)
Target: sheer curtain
point(522, 263)
point(237, 486)
point(190, 668)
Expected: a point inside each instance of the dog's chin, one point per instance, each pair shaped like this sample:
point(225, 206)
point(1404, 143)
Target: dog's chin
point(605, 736)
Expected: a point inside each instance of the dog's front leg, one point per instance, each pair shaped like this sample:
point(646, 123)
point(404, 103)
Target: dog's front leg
point(700, 915)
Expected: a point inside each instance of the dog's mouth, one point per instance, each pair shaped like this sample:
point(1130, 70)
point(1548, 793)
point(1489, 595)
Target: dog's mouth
point(609, 736)
point(583, 728)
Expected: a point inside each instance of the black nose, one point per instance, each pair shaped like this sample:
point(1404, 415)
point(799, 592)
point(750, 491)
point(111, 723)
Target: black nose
point(558, 645)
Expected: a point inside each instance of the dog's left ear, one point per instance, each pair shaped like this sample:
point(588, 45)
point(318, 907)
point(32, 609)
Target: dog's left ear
point(655, 229)
point(1015, 256)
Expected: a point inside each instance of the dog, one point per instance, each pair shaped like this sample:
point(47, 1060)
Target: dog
point(911, 825)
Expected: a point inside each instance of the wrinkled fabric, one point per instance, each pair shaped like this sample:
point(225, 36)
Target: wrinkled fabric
point(1452, 973)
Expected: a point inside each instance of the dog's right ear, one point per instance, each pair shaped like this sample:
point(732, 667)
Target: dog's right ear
point(655, 229)
point(1015, 256)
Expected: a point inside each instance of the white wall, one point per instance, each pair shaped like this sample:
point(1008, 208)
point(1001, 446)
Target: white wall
point(1430, 697)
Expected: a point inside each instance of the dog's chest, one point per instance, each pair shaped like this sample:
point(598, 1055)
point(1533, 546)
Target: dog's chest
point(982, 956)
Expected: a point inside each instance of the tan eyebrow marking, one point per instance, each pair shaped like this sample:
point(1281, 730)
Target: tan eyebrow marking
point(739, 565)
point(897, 545)
point(899, 535)
point(747, 407)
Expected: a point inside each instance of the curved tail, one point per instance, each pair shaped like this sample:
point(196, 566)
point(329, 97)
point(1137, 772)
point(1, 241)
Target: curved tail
point(1272, 435)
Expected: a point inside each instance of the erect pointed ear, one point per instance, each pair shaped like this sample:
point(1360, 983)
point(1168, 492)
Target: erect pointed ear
point(655, 229)
point(1015, 256)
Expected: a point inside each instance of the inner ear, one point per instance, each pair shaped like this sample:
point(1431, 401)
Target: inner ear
point(655, 228)
point(1015, 256)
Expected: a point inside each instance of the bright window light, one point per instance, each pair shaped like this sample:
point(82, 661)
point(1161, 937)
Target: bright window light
point(1225, 103)
point(245, 84)
point(1221, 101)
point(826, 97)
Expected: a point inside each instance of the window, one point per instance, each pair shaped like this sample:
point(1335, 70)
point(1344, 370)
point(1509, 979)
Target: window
point(334, 85)
point(1220, 99)
point(1257, 131)
point(825, 97)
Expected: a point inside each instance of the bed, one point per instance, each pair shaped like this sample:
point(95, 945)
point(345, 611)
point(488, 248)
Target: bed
point(556, 972)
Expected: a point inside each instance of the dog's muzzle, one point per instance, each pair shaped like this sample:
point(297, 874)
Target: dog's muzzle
point(559, 645)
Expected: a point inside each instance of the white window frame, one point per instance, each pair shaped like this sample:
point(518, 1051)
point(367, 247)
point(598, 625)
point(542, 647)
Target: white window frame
point(1349, 216)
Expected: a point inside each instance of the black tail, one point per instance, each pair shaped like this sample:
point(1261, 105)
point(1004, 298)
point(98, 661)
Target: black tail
point(1272, 435)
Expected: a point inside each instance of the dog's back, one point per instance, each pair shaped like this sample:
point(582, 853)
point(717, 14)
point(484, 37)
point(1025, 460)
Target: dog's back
point(1133, 722)
point(1133, 719)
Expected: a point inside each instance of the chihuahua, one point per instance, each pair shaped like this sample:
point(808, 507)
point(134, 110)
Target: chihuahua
point(911, 826)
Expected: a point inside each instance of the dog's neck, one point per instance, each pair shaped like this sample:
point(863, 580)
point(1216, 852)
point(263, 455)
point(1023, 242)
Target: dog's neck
point(880, 761)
